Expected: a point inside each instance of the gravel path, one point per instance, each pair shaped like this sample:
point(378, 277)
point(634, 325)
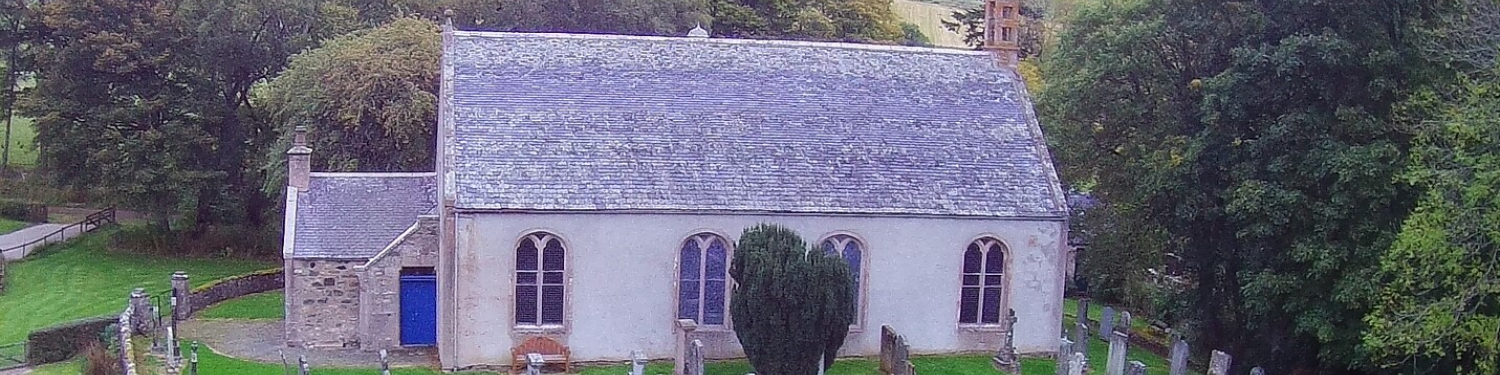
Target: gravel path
point(16, 371)
point(11, 240)
point(262, 341)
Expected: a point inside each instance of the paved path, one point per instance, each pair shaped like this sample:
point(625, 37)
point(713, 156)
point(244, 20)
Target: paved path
point(261, 341)
point(16, 371)
point(13, 239)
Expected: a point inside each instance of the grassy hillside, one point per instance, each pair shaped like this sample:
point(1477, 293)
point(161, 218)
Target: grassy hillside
point(81, 279)
point(22, 151)
point(929, 17)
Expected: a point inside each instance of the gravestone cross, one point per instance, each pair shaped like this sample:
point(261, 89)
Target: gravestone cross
point(1006, 360)
point(1218, 363)
point(1124, 324)
point(1115, 365)
point(1106, 323)
point(1179, 358)
point(1064, 352)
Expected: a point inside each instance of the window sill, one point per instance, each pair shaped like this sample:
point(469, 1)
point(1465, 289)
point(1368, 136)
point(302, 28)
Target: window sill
point(539, 330)
point(714, 329)
point(981, 328)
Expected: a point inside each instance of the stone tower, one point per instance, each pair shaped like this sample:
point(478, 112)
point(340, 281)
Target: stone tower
point(1002, 25)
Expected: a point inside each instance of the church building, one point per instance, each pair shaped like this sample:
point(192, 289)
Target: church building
point(591, 189)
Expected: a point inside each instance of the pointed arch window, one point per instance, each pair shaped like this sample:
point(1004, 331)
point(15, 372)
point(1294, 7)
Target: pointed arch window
point(540, 280)
point(703, 269)
point(852, 250)
point(983, 282)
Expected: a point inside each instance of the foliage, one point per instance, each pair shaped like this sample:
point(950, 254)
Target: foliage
point(927, 365)
point(647, 17)
point(1437, 309)
point(217, 241)
point(99, 361)
point(369, 100)
point(845, 20)
point(970, 24)
point(791, 307)
point(1256, 141)
point(911, 35)
point(32, 299)
point(60, 342)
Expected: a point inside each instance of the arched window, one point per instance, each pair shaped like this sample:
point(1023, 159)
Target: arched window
point(702, 271)
point(983, 280)
point(540, 280)
point(853, 252)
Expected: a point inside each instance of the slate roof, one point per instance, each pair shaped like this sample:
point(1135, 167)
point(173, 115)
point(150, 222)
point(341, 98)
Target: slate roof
point(355, 215)
point(568, 122)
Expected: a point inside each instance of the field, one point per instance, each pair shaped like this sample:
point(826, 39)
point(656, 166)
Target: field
point(966, 4)
point(929, 17)
point(80, 279)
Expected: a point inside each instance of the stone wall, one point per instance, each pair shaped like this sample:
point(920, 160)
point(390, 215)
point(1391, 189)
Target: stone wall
point(235, 287)
point(322, 297)
point(380, 302)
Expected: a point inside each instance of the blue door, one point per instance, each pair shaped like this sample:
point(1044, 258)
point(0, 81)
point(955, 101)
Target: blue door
point(419, 310)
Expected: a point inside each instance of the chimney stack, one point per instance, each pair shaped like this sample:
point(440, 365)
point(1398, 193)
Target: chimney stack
point(1002, 25)
point(299, 160)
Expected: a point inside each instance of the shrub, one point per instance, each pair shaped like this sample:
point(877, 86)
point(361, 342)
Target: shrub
point(60, 342)
point(14, 210)
point(218, 242)
point(792, 307)
point(99, 360)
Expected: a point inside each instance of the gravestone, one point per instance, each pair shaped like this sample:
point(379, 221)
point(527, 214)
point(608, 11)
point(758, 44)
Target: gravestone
point(695, 358)
point(1218, 363)
point(534, 363)
point(1124, 324)
point(1006, 360)
point(1135, 368)
point(685, 328)
point(1064, 352)
point(385, 363)
point(1083, 310)
point(1081, 338)
point(1257, 371)
point(895, 354)
point(1079, 365)
point(1106, 323)
point(1115, 365)
point(637, 362)
point(302, 366)
point(1179, 358)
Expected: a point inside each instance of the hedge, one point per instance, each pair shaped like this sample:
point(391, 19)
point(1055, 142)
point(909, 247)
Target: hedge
point(14, 210)
point(61, 342)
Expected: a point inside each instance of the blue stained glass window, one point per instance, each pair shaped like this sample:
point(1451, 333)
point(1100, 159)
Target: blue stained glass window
point(854, 255)
point(540, 302)
point(983, 282)
point(703, 279)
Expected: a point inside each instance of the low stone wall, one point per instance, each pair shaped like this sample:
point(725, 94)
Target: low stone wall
point(234, 287)
point(127, 352)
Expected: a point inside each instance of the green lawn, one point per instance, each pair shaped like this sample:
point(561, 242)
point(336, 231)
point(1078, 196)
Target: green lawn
point(962, 365)
point(72, 367)
point(81, 279)
point(210, 363)
point(1096, 311)
point(22, 150)
point(268, 305)
point(8, 225)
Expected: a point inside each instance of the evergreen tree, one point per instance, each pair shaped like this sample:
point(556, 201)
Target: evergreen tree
point(790, 304)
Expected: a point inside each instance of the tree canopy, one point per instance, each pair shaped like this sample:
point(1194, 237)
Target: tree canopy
point(792, 307)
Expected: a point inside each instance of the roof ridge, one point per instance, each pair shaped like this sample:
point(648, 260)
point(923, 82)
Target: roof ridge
point(739, 41)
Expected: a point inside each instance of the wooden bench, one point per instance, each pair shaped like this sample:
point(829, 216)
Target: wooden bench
point(551, 351)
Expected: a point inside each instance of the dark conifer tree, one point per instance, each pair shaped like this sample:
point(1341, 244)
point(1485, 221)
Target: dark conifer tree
point(790, 304)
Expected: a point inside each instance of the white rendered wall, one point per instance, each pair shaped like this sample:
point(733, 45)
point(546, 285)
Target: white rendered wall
point(622, 280)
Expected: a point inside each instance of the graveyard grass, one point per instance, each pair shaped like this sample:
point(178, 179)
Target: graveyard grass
point(260, 306)
point(81, 279)
point(1070, 309)
point(959, 365)
point(8, 225)
point(211, 363)
point(71, 367)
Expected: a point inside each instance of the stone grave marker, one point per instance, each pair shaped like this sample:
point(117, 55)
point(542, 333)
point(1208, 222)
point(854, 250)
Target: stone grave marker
point(1078, 365)
point(1257, 371)
point(1179, 358)
point(895, 354)
point(1006, 360)
point(1081, 338)
point(637, 362)
point(1115, 365)
point(1124, 324)
point(1218, 363)
point(1064, 352)
point(534, 363)
point(1106, 323)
